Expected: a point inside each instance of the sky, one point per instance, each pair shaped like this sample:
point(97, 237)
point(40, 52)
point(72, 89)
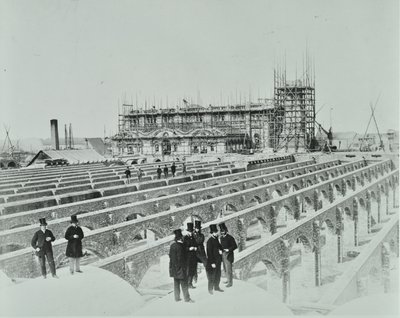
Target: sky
point(77, 61)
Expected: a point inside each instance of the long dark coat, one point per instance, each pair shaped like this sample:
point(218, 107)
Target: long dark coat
point(39, 240)
point(213, 252)
point(190, 241)
point(74, 247)
point(228, 242)
point(201, 252)
point(177, 261)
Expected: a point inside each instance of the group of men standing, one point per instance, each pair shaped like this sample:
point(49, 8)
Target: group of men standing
point(41, 243)
point(189, 250)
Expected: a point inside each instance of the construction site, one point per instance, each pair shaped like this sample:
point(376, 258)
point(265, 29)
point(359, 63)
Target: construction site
point(285, 122)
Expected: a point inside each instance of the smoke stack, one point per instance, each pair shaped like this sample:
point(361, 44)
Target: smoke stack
point(54, 134)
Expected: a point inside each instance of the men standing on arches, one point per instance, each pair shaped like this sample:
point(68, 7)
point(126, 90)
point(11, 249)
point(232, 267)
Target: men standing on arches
point(41, 242)
point(191, 248)
point(178, 267)
point(201, 252)
point(228, 244)
point(74, 235)
point(214, 259)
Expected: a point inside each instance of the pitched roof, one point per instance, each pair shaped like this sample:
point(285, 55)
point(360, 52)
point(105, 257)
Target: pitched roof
point(73, 156)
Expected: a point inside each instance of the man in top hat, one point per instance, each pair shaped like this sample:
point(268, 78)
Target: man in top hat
point(128, 175)
point(74, 235)
point(201, 252)
point(165, 171)
point(191, 248)
point(214, 259)
point(228, 244)
point(178, 267)
point(159, 172)
point(41, 242)
point(173, 169)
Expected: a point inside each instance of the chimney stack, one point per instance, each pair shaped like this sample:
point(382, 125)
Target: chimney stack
point(54, 134)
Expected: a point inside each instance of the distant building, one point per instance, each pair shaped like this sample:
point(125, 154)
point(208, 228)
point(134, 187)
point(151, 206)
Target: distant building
point(62, 157)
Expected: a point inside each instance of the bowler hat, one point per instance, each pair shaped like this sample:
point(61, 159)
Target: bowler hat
point(74, 219)
point(223, 227)
point(197, 224)
point(178, 234)
point(189, 227)
point(42, 221)
point(213, 228)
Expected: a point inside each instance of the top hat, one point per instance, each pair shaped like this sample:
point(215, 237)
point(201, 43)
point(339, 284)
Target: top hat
point(197, 224)
point(74, 219)
point(42, 221)
point(189, 227)
point(222, 227)
point(213, 228)
point(178, 234)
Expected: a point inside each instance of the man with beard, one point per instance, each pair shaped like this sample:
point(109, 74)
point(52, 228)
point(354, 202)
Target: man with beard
point(178, 267)
point(228, 244)
point(74, 235)
point(200, 253)
point(191, 247)
point(214, 259)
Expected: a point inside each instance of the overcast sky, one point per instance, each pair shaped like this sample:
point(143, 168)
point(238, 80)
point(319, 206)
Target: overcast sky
point(75, 60)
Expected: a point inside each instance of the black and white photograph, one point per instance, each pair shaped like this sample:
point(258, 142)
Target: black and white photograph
point(199, 158)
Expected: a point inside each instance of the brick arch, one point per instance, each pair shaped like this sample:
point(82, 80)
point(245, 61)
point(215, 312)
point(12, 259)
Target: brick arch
point(348, 212)
point(302, 238)
point(348, 183)
point(330, 225)
point(295, 187)
point(338, 188)
point(99, 249)
point(374, 195)
point(255, 198)
point(276, 193)
point(134, 275)
point(309, 183)
point(207, 196)
point(324, 194)
point(133, 216)
point(362, 202)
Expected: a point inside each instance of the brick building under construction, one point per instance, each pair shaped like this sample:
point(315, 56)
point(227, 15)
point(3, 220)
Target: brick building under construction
point(284, 122)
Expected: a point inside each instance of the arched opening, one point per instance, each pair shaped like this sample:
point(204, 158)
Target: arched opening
point(362, 222)
point(302, 264)
point(12, 164)
point(294, 188)
point(207, 197)
point(156, 277)
point(256, 230)
point(284, 217)
point(330, 269)
point(233, 190)
point(267, 277)
point(229, 209)
point(276, 194)
point(146, 234)
point(308, 205)
point(321, 178)
point(254, 201)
